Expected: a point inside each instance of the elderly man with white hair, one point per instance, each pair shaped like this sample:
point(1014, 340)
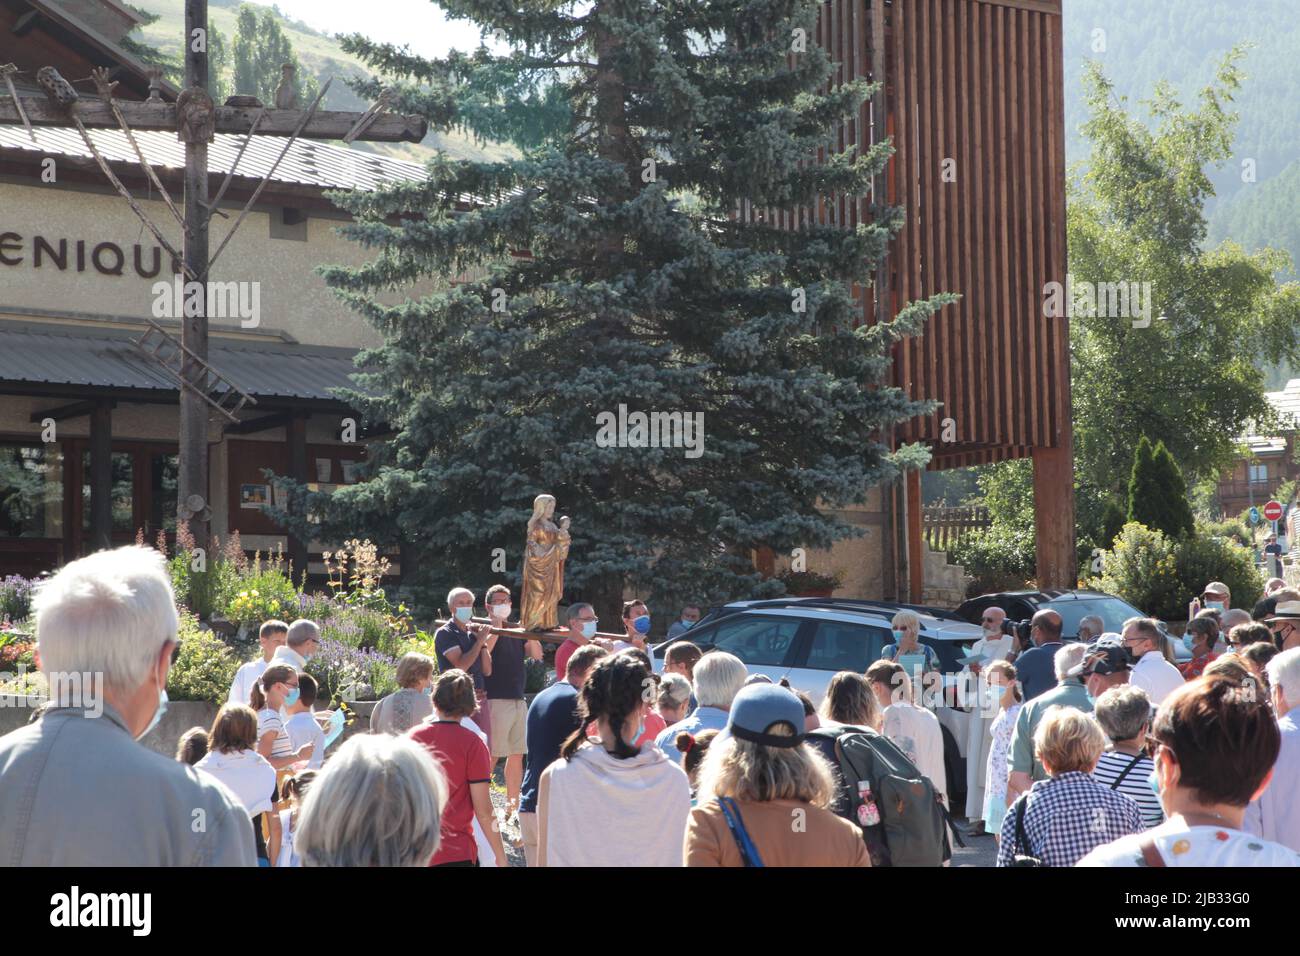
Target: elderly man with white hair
point(378, 802)
point(1275, 815)
point(719, 676)
point(1069, 692)
point(992, 646)
point(78, 791)
point(300, 642)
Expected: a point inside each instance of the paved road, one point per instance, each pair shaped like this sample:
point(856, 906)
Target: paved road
point(979, 851)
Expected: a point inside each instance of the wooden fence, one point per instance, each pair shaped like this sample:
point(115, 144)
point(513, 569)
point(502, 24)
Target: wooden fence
point(943, 527)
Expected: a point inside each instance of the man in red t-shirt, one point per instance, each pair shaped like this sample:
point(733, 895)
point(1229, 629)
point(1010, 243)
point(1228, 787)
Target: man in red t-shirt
point(581, 618)
point(465, 760)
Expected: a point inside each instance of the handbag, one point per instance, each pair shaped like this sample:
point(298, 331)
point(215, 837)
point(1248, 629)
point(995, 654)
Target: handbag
point(1022, 839)
point(748, 852)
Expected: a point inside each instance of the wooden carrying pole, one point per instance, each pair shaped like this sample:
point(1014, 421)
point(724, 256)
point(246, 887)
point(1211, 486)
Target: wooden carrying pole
point(557, 636)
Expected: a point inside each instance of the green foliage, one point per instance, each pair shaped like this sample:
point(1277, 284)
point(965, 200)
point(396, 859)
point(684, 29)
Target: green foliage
point(1112, 522)
point(1236, 530)
point(173, 68)
point(259, 50)
point(1157, 494)
point(218, 66)
point(204, 667)
point(1142, 568)
point(642, 290)
point(1203, 558)
point(1159, 574)
point(258, 594)
point(1137, 215)
point(998, 558)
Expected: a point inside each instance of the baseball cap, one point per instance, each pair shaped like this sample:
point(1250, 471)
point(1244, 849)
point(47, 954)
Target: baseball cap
point(1106, 655)
point(757, 707)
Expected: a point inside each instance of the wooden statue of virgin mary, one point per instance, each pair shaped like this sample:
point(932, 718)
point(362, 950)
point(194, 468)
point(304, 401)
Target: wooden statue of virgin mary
point(545, 551)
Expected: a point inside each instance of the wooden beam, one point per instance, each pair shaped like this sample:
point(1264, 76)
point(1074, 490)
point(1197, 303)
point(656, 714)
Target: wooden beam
point(23, 25)
point(251, 425)
point(101, 477)
point(75, 410)
point(1054, 541)
point(326, 124)
point(557, 636)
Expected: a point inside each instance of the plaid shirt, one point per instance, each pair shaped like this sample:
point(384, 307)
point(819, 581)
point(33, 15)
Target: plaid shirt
point(1066, 818)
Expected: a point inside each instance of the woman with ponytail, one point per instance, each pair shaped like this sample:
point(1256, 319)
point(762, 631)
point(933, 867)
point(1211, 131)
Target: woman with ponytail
point(277, 687)
point(607, 802)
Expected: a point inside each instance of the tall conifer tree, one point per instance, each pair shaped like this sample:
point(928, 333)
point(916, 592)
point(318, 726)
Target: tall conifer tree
point(608, 267)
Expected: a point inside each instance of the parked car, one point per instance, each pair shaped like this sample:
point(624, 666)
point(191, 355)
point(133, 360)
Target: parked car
point(1073, 606)
point(808, 640)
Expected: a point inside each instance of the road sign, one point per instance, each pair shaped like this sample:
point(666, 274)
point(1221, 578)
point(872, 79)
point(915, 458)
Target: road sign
point(1273, 510)
point(1254, 516)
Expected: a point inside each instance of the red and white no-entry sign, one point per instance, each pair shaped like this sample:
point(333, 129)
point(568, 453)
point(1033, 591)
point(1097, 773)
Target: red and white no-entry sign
point(1273, 510)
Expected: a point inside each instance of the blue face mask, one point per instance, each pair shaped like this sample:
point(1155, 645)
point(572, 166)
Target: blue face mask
point(898, 637)
point(642, 624)
point(1154, 782)
point(157, 714)
point(1216, 605)
point(640, 729)
point(1188, 642)
point(291, 698)
point(428, 691)
point(464, 614)
point(588, 629)
point(687, 624)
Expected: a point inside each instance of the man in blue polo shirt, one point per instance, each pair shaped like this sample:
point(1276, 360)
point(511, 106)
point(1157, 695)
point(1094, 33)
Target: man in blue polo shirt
point(552, 718)
point(1034, 668)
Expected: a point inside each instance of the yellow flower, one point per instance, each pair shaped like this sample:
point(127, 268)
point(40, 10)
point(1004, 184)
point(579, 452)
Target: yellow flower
point(254, 594)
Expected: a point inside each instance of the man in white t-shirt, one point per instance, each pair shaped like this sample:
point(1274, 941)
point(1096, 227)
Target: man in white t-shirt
point(302, 726)
point(270, 636)
point(1154, 674)
point(913, 729)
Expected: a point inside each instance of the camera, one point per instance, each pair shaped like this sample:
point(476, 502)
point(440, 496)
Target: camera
point(1018, 629)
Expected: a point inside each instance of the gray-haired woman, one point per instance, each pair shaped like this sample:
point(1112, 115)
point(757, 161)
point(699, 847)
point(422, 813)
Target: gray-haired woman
point(1124, 713)
point(377, 802)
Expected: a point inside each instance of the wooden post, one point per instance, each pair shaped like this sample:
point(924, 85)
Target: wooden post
point(915, 550)
point(101, 477)
point(193, 458)
point(297, 436)
point(1054, 517)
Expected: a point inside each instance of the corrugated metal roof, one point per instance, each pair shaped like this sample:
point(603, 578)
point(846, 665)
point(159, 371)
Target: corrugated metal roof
point(308, 162)
point(86, 356)
point(1286, 404)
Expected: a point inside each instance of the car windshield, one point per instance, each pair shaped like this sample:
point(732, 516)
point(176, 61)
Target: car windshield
point(1111, 610)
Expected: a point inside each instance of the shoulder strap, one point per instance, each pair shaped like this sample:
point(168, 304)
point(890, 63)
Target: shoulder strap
point(748, 852)
point(1150, 855)
point(1022, 839)
point(1125, 772)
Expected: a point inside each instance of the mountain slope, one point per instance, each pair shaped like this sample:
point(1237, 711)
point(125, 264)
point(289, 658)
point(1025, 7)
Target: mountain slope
point(320, 55)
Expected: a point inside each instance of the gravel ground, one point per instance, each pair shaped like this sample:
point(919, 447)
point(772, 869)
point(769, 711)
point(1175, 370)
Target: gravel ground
point(509, 831)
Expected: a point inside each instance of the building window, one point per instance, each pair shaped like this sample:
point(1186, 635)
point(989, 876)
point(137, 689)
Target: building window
point(31, 491)
point(122, 495)
point(1258, 474)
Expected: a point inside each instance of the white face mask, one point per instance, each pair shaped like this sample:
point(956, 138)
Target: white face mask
point(500, 610)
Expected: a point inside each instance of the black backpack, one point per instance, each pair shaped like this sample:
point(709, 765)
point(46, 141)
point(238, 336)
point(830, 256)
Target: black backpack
point(902, 821)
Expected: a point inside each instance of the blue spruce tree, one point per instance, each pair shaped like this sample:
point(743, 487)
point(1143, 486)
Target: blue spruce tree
point(609, 268)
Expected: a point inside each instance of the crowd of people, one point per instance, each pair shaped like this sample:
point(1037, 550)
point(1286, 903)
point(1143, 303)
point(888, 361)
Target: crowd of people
point(1097, 752)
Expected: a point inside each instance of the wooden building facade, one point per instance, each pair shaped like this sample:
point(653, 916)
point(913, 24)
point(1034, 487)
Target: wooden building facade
point(972, 101)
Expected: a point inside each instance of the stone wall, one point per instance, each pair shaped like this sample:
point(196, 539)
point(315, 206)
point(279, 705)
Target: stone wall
point(181, 716)
point(944, 584)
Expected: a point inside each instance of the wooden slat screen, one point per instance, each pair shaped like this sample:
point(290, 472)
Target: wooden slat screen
point(980, 83)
